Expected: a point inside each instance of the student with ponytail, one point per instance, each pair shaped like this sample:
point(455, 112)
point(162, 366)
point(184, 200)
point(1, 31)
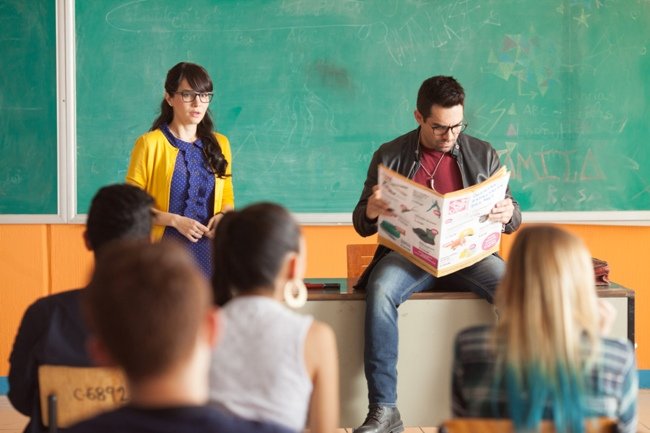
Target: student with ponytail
point(272, 364)
point(547, 357)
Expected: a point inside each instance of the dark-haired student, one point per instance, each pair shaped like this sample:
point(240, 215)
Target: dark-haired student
point(184, 164)
point(52, 330)
point(272, 363)
point(150, 312)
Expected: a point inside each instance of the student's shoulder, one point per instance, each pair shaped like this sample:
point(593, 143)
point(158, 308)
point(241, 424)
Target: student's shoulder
point(116, 420)
point(321, 332)
point(474, 332)
point(47, 304)
point(215, 420)
point(246, 426)
point(475, 337)
point(617, 350)
point(171, 419)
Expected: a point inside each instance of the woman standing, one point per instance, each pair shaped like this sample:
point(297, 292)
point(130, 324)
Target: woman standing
point(184, 164)
point(547, 357)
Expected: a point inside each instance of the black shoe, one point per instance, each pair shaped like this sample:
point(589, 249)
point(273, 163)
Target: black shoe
point(381, 419)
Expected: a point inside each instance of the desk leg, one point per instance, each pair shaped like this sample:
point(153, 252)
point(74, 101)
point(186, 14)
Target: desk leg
point(630, 320)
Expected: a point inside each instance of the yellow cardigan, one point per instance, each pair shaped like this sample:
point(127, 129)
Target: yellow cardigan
point(152, 166)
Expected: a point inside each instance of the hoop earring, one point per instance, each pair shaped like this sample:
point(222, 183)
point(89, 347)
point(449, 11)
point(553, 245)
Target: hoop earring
point(293, 299)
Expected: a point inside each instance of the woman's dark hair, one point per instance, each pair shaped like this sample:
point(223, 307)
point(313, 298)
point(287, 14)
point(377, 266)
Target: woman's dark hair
point(250, 246)
point(197, 77)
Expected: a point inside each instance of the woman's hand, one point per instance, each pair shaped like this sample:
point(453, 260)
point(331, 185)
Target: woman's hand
point(214, 221)
point(212, 225)
point(191, 229)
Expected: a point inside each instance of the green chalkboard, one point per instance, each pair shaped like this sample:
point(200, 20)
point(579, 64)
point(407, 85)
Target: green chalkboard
point(28, 132)
point(306, 90)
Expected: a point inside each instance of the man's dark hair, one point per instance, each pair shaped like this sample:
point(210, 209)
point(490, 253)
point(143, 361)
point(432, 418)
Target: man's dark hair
point(146, 303)
point(250, 246)
point(439, 90)
point(118, 211)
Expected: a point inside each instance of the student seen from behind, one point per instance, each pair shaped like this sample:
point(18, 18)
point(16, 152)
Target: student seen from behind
point(272, 363)
point(547, 358)
point(151, 313)
point(52, 330)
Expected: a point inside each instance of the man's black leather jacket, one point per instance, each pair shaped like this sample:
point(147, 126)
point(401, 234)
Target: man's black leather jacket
point(477, 160)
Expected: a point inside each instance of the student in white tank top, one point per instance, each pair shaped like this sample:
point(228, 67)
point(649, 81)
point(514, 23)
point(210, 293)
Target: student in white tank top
point(271, 364)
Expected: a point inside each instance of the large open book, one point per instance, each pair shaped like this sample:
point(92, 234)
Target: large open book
point(441, 233)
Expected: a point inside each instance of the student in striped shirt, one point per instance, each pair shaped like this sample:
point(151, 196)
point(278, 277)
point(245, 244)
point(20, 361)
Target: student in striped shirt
point(546, 358)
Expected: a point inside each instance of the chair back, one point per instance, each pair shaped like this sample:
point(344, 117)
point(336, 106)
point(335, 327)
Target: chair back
point(489, 425)
point(71, 394)
point(359, 257)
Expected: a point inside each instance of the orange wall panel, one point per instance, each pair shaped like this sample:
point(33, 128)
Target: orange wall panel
point(625, 248)
point(39, 259)
point(71, 261)
point(326, 249)
point(24, 277)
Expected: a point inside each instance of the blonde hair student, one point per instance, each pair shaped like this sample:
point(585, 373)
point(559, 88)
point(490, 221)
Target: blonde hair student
point(546, 358)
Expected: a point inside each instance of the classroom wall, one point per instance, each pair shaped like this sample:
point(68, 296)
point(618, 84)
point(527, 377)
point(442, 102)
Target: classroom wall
point(39, 259)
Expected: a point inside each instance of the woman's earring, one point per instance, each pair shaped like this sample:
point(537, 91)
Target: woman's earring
point(295, 293)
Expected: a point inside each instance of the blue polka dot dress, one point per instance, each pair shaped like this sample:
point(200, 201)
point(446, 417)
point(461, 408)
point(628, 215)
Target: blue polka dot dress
point(192, 196)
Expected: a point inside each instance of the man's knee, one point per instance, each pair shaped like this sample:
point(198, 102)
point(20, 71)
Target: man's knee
point(381, 293)
point(481, 278)
point(491, 269)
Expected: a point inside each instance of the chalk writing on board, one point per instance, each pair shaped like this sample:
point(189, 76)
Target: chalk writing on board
point(146, 16)
point(311, 8)
point(420, 33)
point(307, 90)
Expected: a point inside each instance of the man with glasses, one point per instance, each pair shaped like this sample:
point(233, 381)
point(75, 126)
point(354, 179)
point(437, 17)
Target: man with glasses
point(440, 156)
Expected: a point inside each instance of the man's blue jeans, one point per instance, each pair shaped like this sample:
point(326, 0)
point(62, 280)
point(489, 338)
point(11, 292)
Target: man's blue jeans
point(392, 281)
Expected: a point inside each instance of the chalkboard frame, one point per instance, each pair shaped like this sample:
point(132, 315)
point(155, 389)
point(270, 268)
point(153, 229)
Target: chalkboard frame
point(67, 162)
